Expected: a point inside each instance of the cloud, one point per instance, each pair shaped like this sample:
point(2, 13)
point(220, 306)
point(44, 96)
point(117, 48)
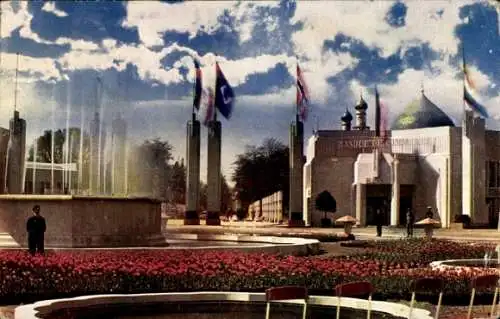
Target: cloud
point(51, 7)
point(35, 68)
point(13, 17)
point(432, 23)
point(143, 52)
point(153, 19)
point(444, 87)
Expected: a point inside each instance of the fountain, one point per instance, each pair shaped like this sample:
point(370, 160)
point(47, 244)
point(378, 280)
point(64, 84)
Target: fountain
point(86, 217)
point(464, 264)
point(209, 304)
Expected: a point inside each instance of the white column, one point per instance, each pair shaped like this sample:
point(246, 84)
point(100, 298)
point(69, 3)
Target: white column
point(361, 203)
point(395, 194)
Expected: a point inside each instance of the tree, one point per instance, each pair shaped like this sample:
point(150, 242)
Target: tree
point(44, 146)
point(326, 203)
point(261, 171)
point(178, 182)
point(226, 196)
point(152, 169)
point(203, 196)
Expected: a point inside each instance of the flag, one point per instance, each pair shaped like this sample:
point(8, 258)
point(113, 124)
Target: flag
point(197, 85)
point(302, 95)
point(470, 96)
point(207, 102)
point(224, 94)
point(377, 113)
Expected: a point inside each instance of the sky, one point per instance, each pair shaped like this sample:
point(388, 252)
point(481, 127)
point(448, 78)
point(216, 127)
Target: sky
point(143, 51)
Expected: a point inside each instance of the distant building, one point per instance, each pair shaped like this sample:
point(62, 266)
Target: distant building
point(38, 179)
point(424, 160)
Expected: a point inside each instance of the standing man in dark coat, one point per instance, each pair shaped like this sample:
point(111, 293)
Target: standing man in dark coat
point(36, 230)
point(379, 220)
point(410, 219)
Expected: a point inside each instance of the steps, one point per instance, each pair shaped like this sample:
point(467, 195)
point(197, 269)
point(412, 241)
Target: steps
point(6, 241)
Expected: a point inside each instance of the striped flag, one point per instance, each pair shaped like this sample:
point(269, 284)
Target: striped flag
point(302, 96)
point(470, 95)
point(208, 103)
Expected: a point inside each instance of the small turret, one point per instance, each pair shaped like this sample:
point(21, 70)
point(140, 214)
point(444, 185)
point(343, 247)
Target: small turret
point(346, 120)
point(361, 108)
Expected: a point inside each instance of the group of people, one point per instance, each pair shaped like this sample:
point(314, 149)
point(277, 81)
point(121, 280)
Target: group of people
point(410, 220)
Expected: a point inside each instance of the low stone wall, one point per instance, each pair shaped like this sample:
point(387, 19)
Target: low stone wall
point(42, 309)
point(268, 244)
point(83, 221)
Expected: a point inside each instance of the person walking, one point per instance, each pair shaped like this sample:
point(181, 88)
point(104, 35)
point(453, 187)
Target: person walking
point(36, 228)
point(410, 219)
point(379, 221)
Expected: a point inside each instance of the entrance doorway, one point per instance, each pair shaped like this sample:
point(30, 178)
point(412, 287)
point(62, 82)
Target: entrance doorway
point(378, 197)
point(405, 202)
point(493, 211)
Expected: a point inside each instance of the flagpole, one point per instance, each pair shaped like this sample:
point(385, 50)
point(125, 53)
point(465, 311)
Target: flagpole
point(464, 72)
point(194, 91)
point(214, 118)
point(296, 88)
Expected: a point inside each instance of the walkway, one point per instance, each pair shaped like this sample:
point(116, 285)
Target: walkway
point(270, 229)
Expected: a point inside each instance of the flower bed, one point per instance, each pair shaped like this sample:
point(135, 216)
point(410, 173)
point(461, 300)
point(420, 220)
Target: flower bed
point(418, 252)
point(390, 266)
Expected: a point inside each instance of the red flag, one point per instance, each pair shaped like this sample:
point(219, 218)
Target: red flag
point(302, 95)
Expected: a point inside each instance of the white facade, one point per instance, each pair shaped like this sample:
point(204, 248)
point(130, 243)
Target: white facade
point(441, 167)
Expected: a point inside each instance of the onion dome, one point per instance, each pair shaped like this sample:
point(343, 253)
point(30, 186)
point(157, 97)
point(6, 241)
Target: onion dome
point(362, 105)
point(421, 113)
point(347, 117)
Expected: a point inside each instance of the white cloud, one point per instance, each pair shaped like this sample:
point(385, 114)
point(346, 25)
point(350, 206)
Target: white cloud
point(51, 7)
point(12, 20)
point(365, 21)
point(153, 19)
point(443, 88)
point(77, 44)
point(39, 68)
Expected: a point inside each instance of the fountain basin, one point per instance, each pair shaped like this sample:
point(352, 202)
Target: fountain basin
point(84, 221)
point(462, 264)
point(175, 305)
point(248, 243)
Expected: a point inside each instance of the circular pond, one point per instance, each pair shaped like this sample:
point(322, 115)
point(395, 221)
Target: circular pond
point(463, 264)
point(201, 305)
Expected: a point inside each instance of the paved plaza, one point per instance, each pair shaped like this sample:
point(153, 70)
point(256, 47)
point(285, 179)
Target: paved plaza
point(265, 228)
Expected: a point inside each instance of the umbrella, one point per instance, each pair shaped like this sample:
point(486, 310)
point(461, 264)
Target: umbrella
point(346, 219)
point(428, 221)
point(428, 225)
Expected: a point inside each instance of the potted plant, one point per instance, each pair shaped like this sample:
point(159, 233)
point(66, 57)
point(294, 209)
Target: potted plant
point(327, 204)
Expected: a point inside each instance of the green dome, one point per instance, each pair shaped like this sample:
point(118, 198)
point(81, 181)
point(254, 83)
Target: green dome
point(421, 113)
